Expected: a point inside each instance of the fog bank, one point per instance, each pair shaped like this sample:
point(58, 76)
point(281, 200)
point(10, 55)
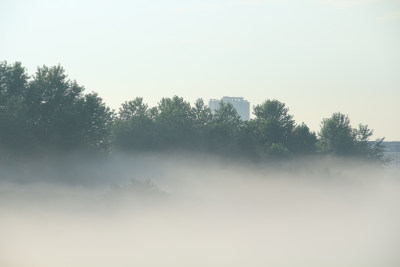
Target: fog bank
point(183, 210)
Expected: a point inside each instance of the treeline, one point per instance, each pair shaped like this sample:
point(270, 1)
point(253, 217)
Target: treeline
point(50, 113)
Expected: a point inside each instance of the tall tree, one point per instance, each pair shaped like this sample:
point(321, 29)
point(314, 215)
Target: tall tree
point(50, 111)
point(202, 114)
point(134, 127)
point(373, 150)
point(51, 101)
point(337, 137)
point(201, 124)
point(14, 130)
point(95, 122)
point(274, 127)
point(303, 141)
point(174, 121)
point(225, 129)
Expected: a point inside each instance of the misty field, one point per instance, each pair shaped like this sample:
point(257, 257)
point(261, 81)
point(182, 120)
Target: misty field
point(185, 210)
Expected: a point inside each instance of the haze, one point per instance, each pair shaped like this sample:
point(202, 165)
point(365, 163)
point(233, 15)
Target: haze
point(197, 210)
point(82, 185)
point(317, 56)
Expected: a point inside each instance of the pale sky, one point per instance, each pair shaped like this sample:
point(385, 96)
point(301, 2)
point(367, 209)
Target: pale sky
point(316, 56)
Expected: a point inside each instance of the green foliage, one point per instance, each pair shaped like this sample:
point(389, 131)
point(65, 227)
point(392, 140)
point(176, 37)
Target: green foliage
point(275, 125)
point(96, 121)
point(134, 127)
point(48, 111)
point(13, 80)
point(203, 119)
point(202, 114)
point(14, 129)
point(303, 141)
point(275, 129)
point(276, 113)
point(225, 129)
point(134, 108)
point(337, 137)
point(367, 149)
point(174, 122)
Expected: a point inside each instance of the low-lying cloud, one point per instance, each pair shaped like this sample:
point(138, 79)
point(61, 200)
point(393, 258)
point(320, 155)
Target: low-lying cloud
point(154, 210)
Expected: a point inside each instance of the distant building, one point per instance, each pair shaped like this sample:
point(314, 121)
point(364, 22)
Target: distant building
point(242, 106)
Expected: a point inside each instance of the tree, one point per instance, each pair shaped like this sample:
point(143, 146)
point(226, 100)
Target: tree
point(225, 129)
point(96, 120)
point(201, 124)
point(202, 114)
point(274, 126)
point(303, 141)
point(368, 149)
point(337, 137)
point(249, 141)
point(174, 121)
point(134, 127)
point(51, 101)
point(134, 108)
point(50, 111)
point(13, 80)
point(15, 132)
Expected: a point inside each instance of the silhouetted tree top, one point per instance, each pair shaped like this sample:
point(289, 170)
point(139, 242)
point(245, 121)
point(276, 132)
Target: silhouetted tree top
point(337, 137)
point(48, 111)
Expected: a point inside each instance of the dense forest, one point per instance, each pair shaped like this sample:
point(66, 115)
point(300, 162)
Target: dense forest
point(49, 113)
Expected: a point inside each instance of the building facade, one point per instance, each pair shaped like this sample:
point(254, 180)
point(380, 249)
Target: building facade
point(242, 106)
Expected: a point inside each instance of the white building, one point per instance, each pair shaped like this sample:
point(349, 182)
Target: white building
point(242, 106)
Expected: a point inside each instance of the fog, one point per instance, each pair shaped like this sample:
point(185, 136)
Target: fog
point(197, 210)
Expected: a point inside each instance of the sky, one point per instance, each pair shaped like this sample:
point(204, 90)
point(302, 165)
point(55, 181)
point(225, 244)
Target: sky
point(316, 56)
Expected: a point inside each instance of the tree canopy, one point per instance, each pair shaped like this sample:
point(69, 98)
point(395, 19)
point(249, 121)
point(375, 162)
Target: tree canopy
point(338, 138)
point(49, 112)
